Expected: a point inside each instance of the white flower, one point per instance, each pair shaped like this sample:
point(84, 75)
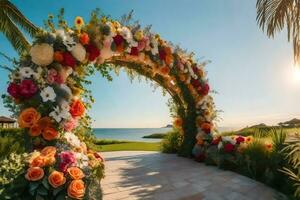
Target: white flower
point(55, 114)
point(48, 94)
point(69, 42)
point(126, 33)
point(82, 160)
point(220, 145)
point(79, 52)
point(154, 46)
point(64, 105)
point(42, 54)
point(72, 139)
point(26, 72)
point(229, 139)
point(16, 75)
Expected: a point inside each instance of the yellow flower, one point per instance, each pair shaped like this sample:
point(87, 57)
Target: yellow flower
point(79, 22)
point(139, 35)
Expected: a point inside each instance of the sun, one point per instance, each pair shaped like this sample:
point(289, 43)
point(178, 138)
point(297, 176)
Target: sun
point(296, 72)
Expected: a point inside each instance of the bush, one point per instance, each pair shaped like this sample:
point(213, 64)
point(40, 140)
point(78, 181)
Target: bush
point(172, 142)
point(11, 141)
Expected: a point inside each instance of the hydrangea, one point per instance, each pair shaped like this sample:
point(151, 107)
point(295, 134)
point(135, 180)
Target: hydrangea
point(42, 54)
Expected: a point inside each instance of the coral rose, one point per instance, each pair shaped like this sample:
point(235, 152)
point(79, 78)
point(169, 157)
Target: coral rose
point(50, 133)
point(49, 151)
point(77, 108)
point(35, 130)
point(84, 38)
point(76, 189)
point(164, 70)
point(56, 179)
point(58, 56)
point(38, 161)
point(45, 122)
point(75, 173)
point(28, 117)
point(34, 174)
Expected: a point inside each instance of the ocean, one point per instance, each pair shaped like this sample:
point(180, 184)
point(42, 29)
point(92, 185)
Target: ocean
point(134, 134)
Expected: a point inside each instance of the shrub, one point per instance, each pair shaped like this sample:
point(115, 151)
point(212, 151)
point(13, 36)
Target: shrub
point(172, 142)
point(11, 141)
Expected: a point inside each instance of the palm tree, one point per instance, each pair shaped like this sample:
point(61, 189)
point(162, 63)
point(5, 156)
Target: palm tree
point(11, 21)
point(274, 15)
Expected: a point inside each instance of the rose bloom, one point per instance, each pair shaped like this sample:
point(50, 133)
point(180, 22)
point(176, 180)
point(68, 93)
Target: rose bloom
point(38, 161)
point(35, 130)
point(56, 179)
point(58, 56)
point(75, 173)
point(49, 151)
point(45, 122)
point(178, 122)
point(14, 90)
point(84, 38)
point(76, 189)
point(34, 174)
point(164, 70)
point(93, 52)
point(68, 60)
point(77, 108)
point(239, 139)
point(228, 147)
point(67, 157)
point(28, 117)
point(28, 88)
point(49, 160)
point(70, 125)
point(49, 133)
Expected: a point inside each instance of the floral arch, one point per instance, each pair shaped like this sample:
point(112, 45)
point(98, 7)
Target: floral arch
point(48, 96)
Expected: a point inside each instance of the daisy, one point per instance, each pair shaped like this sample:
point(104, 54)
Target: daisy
point(55, 114)
point(48, 94)
point(26, 72)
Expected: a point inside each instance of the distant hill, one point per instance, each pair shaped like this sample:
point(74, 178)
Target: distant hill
point(291, 123)
point(168, 126)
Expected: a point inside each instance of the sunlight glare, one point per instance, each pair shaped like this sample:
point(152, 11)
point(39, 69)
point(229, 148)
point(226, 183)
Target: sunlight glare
point(297, 72)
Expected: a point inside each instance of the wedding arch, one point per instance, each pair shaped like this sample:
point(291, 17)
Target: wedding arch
point(47, 94)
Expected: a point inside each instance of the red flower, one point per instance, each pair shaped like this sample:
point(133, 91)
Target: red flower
point(118, 40)
point(77, 108)
point(134, 51)
point(195, 83)
point(93, 51)
point(216, 141)
point(240, 139)
point(28, 88)
point(195, 69)
point(69, 60)
point(228, 147)
point(162, 54)
point(14, 89)
point(205, 89)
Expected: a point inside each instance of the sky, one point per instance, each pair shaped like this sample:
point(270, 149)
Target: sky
point(253, 75)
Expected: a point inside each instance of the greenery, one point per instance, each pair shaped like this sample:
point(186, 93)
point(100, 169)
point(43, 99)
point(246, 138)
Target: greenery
point(172, 142)
point(129, 146)
point(11, 141)
point(274, 15)
point(156, 136)
point(12, 21)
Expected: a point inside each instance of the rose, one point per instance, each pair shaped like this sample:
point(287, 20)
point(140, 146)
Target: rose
point(35, 130)
point(79, 52)
point(206, 127)
point(93, 52)
point(205, 89)
point(34, 174)
point(134, 51)
point(28, 88)
point(77, 108)
point(76, 189)
point(49, 151)
point(14, 90)
point(84, 38)
point(70, 125)
point(28, 117)
point(118, 40)
point(38, 162)
point(75, 173)
point(67, 157)
point(49, 133)
point(164, 70)
point(58, 56)
point(45, 122)
point(56, 179)
point(240, 139)
point(68, 60)
point(228, 147)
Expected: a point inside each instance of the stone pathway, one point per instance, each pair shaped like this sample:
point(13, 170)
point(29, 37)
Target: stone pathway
point(142, 175)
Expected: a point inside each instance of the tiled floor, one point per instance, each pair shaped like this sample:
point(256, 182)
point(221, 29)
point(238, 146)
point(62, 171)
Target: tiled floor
point(155, 176)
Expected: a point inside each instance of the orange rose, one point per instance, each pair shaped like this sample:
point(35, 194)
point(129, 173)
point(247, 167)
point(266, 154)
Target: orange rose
point(49, 151)
point(164, 70)
point(84, 38)
point(38, 162)
point(34, 174)
point(45, 122)
point(75, 173)
point(76, 189)
point(77, 108)
point(49, 160)
point(58, 56)
point(50, 133)
point(56, 179)
point(28, 117)
point(178, 122)
point(35, 130)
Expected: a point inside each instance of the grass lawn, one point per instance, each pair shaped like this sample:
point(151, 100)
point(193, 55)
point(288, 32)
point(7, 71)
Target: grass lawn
point(130, 146)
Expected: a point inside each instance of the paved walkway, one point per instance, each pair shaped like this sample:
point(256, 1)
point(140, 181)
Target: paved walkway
point(155, 176)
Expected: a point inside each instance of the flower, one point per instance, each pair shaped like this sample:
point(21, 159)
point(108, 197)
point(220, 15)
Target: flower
point(72, 139)
point(14, 90)
point(38, 162)
point(77, 108)
point(139, 35)
point(56, 179)
point(240, 139)
point(49, 133)
point(48, 151)
point(69, 42)
point(249, 139)
point(35, 130)
point(154, 46)
point(28, 117)
point(68, 60)
point(118, 40)
point(205, 89)
point(178, 123)
point(134, 51)
point(84, 38)
point(28, 88)
point(79, 52)
point(48, 94)
point(70, 124)
point(42, 54)
point(269, 146)
point(67, 157)
point(55, 114)
point(75, 173)
point(58, 56)
point(34, 174)
point(45, 122)
point(76, 189)
point(206, 127)
point(93, 52)
point(164, 70)
point(26, 72)
point(78, 22)
point(228, 147)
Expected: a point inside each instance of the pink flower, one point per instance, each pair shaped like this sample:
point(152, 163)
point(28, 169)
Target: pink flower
point(67, 157)
point(55, 77)
point(14, 89)
point(142, 44)
point(70, 125)
point(63, 167)
point(28, 88)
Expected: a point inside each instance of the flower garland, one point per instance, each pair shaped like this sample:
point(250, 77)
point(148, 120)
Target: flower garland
point(47, 85)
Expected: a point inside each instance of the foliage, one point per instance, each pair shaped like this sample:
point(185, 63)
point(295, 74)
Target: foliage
point(156, 135)
point(172, 142)
point(11, 21)
point(129, 146)
point(11, 141)
point(274, 15)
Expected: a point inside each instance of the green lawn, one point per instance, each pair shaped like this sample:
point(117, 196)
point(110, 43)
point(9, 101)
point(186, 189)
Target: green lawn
point(130, 146)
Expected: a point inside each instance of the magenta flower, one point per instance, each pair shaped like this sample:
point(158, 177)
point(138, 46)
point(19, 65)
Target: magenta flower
point(14, 90)
point(28, 88)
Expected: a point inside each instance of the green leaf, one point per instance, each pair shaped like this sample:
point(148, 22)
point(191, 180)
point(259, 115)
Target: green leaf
point(42, 191)
point(45, 183)
point(61, 197)
point(33, 186)
point(57, 190)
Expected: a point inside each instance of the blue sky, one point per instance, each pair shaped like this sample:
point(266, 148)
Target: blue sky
point(253, 75)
